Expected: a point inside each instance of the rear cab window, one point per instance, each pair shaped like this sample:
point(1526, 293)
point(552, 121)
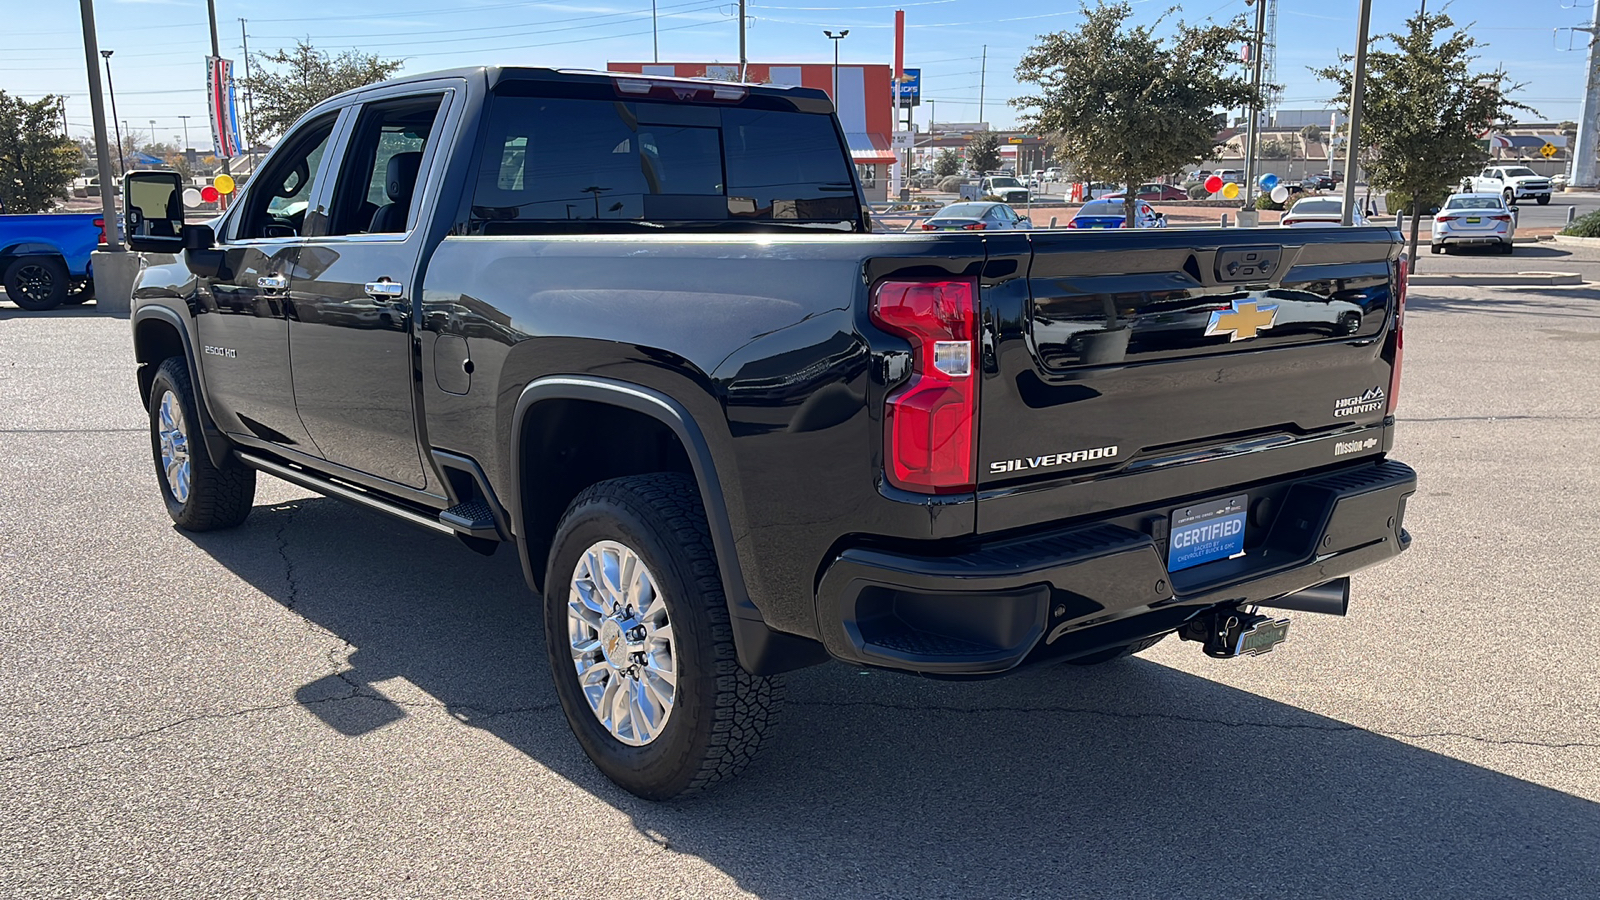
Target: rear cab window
point(579, 164)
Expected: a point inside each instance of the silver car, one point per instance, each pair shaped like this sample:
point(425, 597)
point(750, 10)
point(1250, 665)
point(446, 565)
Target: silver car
point(1481, 219)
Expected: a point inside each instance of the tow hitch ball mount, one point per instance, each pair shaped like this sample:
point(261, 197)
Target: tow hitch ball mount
point(1231, 632)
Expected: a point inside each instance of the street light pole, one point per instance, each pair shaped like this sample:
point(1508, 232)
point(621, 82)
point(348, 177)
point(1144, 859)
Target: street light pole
point(836, 38)
point(97, 112)
point(186, 147)
point(1352, 147)
point(122, 166)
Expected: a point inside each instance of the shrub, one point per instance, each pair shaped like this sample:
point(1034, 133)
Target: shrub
point(1265, 201)
point(1587, 226)
point(951, 184)
point(1198, 191)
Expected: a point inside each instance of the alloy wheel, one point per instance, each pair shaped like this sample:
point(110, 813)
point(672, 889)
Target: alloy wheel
point(174, 437)
point(621, 640)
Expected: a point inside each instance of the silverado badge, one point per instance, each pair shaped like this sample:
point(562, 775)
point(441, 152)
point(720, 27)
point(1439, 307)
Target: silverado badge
point(1242, 321)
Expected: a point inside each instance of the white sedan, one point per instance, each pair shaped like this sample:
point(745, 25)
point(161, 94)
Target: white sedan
point(1481, 219)
point(1327, 210)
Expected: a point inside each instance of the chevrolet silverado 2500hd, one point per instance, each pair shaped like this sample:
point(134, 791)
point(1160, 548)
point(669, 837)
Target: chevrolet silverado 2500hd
point(638, 329)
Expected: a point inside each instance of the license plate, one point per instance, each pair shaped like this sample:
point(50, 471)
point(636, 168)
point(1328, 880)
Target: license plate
point(1473, 221)
point(1206, 532)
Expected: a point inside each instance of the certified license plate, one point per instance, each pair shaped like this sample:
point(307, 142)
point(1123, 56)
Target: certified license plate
point(1472, 221)
point(1206, 532)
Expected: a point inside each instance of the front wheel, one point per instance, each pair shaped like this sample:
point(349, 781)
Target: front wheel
point(199, 495)
point(1511, 198)
point(640, 645)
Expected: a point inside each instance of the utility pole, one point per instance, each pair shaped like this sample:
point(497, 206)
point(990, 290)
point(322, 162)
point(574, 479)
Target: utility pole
point(186, 147)
point(97, 112)
point(1253, 134)
point(655, 35)
point(122, 165)
point(742, 61)
point(1583, 159)
point(61, 104)
point(216, 50)
point(983, 75)
point(1352, 147)
point(250, 100)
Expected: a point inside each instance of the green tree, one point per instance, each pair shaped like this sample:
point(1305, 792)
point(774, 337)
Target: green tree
point(1275, 149)
point(37, 161)
point(1127, 103)
point(947, 162)
point(1312, 134)
point(983, 152)
point(1424, 105)
point(287, 83)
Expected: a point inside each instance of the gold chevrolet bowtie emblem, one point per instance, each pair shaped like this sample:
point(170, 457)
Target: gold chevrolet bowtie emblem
point(1243, 321)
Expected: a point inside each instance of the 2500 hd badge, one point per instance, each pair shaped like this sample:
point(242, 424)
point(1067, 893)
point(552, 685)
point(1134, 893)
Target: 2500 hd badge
point(1001, 466)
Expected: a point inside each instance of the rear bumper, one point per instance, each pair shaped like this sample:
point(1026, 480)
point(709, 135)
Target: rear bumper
point(1057, 593)
point(1470, 238)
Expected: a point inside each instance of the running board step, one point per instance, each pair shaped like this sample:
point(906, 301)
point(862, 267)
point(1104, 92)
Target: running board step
point(473, 518)
point(323, 485)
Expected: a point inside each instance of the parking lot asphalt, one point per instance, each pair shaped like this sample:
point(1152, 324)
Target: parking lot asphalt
point(323, 703)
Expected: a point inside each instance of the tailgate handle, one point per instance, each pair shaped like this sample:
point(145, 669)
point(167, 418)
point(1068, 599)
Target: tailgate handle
point(1248, 263)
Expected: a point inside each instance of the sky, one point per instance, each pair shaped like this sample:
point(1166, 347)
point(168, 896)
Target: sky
point(159, 71)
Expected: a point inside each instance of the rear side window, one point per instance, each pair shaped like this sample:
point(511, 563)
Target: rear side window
point(567, 164)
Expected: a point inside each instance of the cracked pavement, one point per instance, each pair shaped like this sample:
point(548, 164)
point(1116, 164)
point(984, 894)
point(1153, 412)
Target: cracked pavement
point(325, 703)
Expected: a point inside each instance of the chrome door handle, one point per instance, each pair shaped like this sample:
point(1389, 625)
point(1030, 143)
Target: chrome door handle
point(385, 290)
point(272, 282)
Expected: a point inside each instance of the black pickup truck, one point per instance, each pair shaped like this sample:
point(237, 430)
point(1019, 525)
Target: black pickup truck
point(640, 329)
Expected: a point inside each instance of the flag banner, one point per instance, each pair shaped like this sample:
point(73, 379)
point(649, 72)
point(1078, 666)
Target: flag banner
point(225, 141)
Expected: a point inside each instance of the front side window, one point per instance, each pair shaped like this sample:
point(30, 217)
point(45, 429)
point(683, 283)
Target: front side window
point(551, 163)
point(279, 199)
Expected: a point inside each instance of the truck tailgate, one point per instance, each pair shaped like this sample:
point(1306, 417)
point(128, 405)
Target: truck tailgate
point(1148, 367)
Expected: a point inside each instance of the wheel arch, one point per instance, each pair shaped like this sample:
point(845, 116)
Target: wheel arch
point(551, 401)
point(159, 334)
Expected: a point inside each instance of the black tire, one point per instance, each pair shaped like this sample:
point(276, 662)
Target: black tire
point(1116, 653)
point(37, 283)
point(79, 291)
point(1507, 249)
point(1511, 198)
point(218, 497)
point(1438, 248)
point(1544, 200)
point(720, 713)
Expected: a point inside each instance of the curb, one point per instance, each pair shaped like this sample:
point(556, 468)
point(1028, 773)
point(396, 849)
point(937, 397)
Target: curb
point(1500, 279)
point(1579, 241)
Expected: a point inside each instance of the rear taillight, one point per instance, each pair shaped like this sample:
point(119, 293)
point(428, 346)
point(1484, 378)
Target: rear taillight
point(1072, 223)
point(1399, 333)
point(1444, 218)
point(930, 422)
point(100, 223)
point(927, 227)
point(1499, 218)
point(975, 226)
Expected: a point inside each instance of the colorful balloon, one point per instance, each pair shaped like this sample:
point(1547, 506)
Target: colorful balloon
point(1230, 190)
point(209, 194)
point(1269, 181)
point(191, 197)
point(1280, 194)
point(224, 184)
point(1213, 184)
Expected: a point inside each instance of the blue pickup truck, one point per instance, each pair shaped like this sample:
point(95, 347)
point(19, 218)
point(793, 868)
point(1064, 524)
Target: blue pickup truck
point(44, 259)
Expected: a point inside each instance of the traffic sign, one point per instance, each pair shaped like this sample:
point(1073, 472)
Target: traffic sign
point(1013, 140)
point(1547, 151)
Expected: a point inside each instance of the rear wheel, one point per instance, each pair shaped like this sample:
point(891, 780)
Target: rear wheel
point(79, 290)
point(640, 645)
point(199, 496)
point(36, 283)
point(1437, 248)
point(1507, 249)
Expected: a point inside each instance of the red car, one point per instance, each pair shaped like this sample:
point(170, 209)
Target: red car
point(1153, 192)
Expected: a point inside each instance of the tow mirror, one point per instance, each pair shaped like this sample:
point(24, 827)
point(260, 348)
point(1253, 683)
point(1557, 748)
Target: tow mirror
point(153, 210)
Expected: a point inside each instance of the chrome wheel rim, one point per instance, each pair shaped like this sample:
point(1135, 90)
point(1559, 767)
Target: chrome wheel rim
point(621, 641)
point(174, 438)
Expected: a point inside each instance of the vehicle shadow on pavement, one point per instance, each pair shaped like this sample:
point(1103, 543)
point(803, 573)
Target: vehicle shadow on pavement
point(1133, 779)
